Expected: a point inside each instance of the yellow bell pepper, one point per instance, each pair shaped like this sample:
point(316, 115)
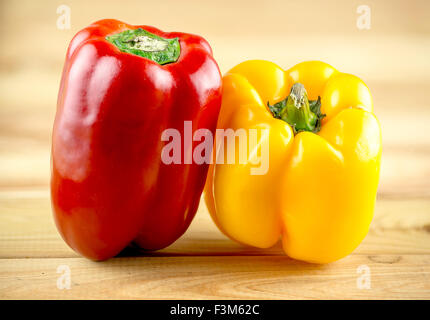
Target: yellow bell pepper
point(319, 191)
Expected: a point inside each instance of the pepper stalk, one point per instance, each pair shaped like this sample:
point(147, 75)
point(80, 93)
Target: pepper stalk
point(147, 45)
point(298, 111)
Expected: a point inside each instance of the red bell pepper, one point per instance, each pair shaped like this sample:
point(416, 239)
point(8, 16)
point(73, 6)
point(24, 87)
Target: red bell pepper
point(121, 87)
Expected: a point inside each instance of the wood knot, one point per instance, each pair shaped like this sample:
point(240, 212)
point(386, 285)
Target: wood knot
point(385, 259)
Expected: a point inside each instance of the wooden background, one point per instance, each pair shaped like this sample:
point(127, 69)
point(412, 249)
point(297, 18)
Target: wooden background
point(392, 58)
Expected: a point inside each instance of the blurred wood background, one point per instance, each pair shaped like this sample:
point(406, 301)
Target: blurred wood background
point(392, 57)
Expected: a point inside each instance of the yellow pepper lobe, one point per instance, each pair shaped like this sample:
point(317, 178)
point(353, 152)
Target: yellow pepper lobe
point(267, 78)
point(313, 75)
point(345, 91)
point(339, 172)
point(231, 209)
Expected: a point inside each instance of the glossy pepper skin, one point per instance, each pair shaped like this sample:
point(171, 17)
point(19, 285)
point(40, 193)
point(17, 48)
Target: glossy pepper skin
point(319, 192)
point(109, 186)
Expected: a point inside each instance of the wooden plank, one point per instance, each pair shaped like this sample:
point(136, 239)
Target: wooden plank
point(391, 277)
point(329, 34)
point(28, 230)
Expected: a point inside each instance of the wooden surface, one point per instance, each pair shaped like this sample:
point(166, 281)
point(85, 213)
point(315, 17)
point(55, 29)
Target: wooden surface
point(392, 57)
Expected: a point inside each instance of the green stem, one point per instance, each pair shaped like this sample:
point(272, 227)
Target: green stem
point(147, 45)
point(298, 111)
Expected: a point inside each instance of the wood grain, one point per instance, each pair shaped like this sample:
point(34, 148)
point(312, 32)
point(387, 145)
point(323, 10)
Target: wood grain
point(392, 58)
point(29, 231)
point(236, 277)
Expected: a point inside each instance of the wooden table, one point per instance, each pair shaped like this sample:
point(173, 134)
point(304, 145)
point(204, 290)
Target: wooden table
point(392, 57)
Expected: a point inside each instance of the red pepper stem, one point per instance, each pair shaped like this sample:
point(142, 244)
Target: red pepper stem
point(147, 45)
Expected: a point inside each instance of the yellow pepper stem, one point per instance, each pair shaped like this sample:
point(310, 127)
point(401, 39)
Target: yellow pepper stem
point(298, 111)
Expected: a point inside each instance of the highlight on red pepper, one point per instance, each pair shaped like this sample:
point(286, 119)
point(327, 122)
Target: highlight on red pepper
point(121, 87)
